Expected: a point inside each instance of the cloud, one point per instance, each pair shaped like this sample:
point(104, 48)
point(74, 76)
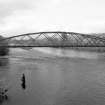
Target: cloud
point(22, 16)
point(7, 7)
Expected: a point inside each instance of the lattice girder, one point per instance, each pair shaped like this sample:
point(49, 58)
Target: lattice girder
point(55, 39)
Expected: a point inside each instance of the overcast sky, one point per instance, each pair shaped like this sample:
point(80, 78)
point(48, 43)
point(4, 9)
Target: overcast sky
point(22, 16)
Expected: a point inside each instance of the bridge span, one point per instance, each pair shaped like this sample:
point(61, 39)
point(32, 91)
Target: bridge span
point(54, 39)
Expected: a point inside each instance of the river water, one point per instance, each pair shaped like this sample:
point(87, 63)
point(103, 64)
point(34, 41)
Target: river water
point(52, 77)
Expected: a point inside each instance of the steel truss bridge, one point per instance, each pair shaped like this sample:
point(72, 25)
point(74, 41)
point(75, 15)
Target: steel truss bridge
point(54, 39)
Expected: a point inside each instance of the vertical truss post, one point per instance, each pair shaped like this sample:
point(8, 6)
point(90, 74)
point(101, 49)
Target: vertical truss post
point(64, 39)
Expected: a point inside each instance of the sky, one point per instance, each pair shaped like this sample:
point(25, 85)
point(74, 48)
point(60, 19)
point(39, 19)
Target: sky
point(25, 16)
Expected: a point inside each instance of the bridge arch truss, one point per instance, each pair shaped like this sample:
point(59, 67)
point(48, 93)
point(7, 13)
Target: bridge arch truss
point(55, 39)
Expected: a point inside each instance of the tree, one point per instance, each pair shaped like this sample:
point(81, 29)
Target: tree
point(4, 50)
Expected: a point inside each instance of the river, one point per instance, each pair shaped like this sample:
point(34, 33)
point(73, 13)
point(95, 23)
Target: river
point(52, 77)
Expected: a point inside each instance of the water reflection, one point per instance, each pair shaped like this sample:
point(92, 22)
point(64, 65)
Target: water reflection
point(4, 62)
point(3, 95)
point(23, 85)
point(3, 78)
